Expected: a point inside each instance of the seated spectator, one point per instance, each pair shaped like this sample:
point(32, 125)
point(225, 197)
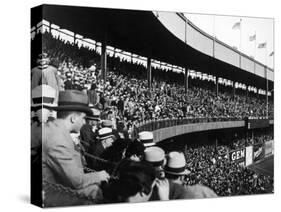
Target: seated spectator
point(175, 169)
point(134, 183)
point(61, 162)
point(43, 102)
point(105, 139)
point(135, 151)
point(146, 138)
point(156, 157)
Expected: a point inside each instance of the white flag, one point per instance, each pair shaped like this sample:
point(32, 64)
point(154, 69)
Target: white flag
point(236, 25)
point(262, 45)
point(253, 37)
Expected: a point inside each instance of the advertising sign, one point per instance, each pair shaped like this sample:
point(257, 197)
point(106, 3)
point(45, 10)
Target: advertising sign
point(238, 155)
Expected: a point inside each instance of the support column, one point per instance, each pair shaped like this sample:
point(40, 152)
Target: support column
point(149, 73)
point(234, 90)
point(186, 79)
point(103, 60)
point(217, 86)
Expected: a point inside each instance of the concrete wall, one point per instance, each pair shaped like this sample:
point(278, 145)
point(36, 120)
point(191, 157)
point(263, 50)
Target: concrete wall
point(169, 132)
point(203, 42)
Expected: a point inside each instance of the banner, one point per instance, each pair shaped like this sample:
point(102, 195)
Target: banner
point(258, 152)
point(238, 155)
point(249, 155)
point(268, 148)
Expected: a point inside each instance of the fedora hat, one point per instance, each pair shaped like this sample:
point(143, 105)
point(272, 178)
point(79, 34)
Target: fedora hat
point(154, 155)
point(43, 96)
point(176, 164)
point(104, 133)
point(95, 116)
point(73, 100)
point(146, 138)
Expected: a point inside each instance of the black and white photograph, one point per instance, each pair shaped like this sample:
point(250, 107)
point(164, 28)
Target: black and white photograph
point(132, 106)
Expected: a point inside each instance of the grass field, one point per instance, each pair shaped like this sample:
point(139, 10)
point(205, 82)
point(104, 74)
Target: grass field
point(265, 167)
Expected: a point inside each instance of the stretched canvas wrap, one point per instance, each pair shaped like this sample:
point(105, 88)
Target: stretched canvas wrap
point(136, 106)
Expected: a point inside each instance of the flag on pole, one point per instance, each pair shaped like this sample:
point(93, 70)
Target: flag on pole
point(271, 54)
point(253, 37)
point(236, 25)
point(262, 45)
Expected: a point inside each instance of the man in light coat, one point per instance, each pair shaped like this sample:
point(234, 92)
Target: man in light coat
point(61, 161)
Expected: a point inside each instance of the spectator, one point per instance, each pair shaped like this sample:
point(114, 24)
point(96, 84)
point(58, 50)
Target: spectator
point(61, 162)
point(135, 151)
point(135, 183)
point(146, 138)
point(175, 170)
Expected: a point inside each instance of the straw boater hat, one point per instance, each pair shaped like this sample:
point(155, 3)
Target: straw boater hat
point(155, 156)
point(106, 123)
point(104, 133)
point(146, 138)
point(176, 164)
point(43, 96)
point(73, 100)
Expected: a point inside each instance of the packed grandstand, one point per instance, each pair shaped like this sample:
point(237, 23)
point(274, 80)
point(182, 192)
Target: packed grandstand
point(123, 107)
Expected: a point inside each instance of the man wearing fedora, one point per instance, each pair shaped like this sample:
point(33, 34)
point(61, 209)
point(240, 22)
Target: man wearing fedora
point(61, 162)
point(88, 132)
point(175, 171)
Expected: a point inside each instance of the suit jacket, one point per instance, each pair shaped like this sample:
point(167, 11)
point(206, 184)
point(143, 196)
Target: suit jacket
point(178, 191)
point(61, 162)
point(44, 76)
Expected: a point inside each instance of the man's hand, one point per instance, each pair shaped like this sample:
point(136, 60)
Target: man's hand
point(163, 189)
point(103, 175)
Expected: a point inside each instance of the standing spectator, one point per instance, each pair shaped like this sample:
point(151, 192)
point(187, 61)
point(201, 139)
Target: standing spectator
point(120, 105)
point(44, 73)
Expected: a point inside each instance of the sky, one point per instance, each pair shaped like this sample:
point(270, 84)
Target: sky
point(221, 27)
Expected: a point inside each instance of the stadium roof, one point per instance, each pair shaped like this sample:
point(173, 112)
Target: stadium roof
point(140, 32)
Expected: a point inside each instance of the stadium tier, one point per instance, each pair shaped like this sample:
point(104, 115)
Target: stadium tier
point(101, 115)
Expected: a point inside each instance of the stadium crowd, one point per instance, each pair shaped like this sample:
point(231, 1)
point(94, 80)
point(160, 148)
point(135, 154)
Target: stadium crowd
point(88, 125)
point(210, 166)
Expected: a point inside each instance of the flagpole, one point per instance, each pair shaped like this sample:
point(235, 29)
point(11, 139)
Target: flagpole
point(214, 36)
point(240, 42)
point(255, 45)
point(266, 81)
point(255, 52)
